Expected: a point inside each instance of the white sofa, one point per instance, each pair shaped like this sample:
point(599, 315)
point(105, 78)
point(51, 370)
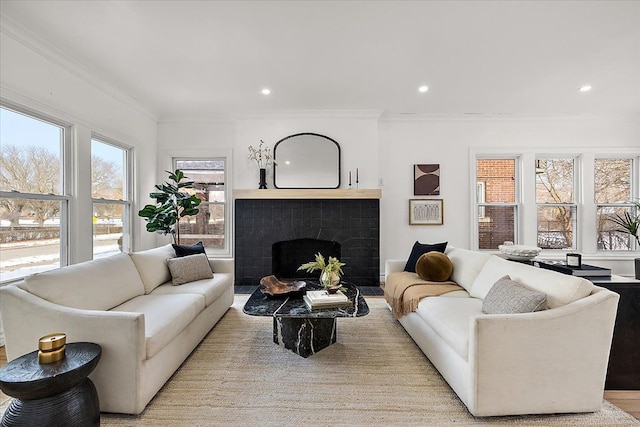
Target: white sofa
point(126, 303)
point(550, 361)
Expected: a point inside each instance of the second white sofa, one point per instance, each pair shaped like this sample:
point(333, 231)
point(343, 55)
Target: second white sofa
point(126, 303)
point(550, 361)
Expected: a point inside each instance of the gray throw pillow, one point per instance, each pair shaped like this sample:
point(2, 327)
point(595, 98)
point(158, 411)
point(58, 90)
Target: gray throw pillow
point(507, 296)
point(189, 268)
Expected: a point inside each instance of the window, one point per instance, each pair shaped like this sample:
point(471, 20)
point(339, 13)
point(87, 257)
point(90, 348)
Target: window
point(555, 198)
point(110, 178)
point(496, 202)
point(33, 196)
point(613, 192)
point(208, 226)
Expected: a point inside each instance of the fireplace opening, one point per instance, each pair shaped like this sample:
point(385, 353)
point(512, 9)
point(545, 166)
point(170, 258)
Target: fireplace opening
point(288, 255)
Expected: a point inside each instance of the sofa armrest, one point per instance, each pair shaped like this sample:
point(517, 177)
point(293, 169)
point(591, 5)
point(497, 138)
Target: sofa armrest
point(121, 335)
point(393, 266)
point(558, 355)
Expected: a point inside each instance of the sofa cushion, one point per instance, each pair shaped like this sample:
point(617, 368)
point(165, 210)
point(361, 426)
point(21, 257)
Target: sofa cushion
point(449, 318)
point(210, 289)
point(189, 268)
point(434, 266)
point(99, 284)
point(184, 250)
point(419, 249)
point(152, 266)
point(507, 296)
point(561, 289)
point(466, 265)
point(165, 316)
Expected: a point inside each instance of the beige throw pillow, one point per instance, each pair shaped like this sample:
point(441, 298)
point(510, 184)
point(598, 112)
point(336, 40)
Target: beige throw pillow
point(189, 268)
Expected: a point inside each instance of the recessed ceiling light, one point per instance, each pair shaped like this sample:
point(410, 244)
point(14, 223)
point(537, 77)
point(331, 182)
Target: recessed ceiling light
point(266, 91)
point(423, 89)
point(585, 88)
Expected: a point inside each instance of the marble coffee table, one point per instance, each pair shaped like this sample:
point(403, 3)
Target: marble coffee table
point(295, 326)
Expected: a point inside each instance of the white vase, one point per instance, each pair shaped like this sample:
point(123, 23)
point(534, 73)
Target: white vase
point(329, 278)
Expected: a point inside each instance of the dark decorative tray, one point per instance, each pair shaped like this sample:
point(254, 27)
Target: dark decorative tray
point(272, 286)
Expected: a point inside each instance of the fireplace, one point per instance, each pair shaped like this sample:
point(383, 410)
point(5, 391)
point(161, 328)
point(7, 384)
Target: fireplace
point(353, 224)
point(288, 255)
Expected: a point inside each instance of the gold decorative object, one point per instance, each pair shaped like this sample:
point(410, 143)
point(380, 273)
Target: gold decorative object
point(52, 348)
point(272, 286)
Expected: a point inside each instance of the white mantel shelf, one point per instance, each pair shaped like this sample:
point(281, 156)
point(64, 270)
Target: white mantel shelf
point(308, 194)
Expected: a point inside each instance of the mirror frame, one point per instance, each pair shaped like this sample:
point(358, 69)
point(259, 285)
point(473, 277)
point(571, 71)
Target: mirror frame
point(275, 154)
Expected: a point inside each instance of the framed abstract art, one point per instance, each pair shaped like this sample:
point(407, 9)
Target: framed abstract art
point(426, 180)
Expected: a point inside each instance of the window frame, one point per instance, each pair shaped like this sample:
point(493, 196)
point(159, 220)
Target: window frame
point(480, 206)
point(576, 189)
point(634, 194)
point(127, 190)
point(172, 156)
point(527, 218)
point(66, 172)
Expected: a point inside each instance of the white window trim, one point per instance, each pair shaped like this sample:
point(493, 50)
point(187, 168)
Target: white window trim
point(527, 218)
point(476, 204)
point(200, 154)
point(578, 192)
point(635, 195)
point(66, 177)
point(128, 190)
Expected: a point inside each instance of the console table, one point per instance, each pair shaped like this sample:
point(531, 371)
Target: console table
point(623, 372)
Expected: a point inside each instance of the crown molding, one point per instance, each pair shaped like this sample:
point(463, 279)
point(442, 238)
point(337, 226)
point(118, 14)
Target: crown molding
point(312, 114)
point(13, 99)
point(425, 117)
point(31, 40)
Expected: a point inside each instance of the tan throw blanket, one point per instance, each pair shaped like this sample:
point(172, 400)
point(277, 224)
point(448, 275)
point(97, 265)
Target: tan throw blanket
point(403, 291)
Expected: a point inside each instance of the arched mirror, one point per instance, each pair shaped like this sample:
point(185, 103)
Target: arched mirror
point(306, 160)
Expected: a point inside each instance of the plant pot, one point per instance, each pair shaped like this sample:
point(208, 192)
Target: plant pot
point(637, 261)
point(263, 178)
point(329, 279)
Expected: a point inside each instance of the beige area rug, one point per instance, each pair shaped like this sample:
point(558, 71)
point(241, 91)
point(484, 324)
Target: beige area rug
point(373, 375)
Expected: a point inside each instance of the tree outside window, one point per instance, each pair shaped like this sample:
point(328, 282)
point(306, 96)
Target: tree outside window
point(612, 195)
point(555, 188)
point(32, 199)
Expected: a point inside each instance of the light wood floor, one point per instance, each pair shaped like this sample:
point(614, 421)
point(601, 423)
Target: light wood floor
point(627, 400)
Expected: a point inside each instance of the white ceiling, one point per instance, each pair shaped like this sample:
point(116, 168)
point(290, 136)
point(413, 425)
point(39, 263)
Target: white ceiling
point(196, 59)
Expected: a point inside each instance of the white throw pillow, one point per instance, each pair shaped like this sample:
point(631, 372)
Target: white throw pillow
point(189, 268)
point(561, 289)
point(152, 266)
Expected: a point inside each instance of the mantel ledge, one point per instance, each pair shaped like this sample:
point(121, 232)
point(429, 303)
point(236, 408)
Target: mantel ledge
point(308, 194)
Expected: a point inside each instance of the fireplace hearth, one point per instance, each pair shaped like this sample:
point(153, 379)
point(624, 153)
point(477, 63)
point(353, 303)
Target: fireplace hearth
point(353, 224)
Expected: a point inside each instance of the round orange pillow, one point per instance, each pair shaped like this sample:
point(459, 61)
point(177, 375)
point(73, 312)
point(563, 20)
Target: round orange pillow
point(434, 266)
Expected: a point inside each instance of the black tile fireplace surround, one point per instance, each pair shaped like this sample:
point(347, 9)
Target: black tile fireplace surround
point(353, 223)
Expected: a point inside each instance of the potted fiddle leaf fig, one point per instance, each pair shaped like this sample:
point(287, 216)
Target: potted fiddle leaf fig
point(172, 204)
point(629, 223)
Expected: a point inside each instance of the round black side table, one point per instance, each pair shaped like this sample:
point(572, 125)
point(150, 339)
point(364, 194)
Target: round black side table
point(54, 394)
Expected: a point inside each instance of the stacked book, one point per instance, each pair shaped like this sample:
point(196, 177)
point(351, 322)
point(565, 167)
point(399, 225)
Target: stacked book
point(323, 299)
point(584, 270)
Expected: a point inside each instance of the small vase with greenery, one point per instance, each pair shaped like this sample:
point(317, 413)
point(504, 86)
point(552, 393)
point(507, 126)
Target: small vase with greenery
point(263, 158)
point(172, 204)
point(330, 271)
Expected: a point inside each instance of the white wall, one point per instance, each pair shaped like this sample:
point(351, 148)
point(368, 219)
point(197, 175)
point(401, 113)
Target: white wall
point(387, 148)
point(36, 76)
point(448, 141)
